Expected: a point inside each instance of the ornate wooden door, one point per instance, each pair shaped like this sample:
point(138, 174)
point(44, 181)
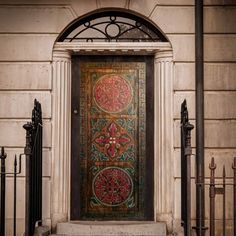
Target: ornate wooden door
point(112, 138)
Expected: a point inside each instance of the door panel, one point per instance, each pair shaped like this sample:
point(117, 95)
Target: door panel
point(112, 138)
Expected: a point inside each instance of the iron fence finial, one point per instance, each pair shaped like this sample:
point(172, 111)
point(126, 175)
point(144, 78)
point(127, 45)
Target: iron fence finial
point(212, 165)
point(3, 154)
point(184, 112)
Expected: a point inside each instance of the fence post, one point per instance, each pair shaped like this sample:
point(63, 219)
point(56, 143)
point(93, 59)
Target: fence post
point(14, 201)
point(28, 127)
point(234, 194)
point(212, 167)
point(224, 198)
point(186, 152)
point(33, 153)
point(3, 191)
point(184, 116)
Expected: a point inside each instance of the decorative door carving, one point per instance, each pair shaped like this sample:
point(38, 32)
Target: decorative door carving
point(112, 138)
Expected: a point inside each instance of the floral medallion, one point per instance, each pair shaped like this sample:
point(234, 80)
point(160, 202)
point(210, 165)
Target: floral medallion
point(112, 140)
point(112, 93)
point(112, 186)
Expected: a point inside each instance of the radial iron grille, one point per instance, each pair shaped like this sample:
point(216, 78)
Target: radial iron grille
point(112, 26)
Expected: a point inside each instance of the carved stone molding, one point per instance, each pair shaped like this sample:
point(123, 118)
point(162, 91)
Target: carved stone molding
point(114, 47)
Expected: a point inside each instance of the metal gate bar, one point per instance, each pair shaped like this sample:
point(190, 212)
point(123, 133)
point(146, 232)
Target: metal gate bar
point(186, 152)
point(4, 174)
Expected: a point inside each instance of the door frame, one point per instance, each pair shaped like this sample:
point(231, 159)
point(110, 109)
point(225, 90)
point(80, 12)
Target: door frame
point(163, 122)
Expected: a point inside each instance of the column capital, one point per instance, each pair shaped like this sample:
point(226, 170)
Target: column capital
point(61, 55)
point(164, 55)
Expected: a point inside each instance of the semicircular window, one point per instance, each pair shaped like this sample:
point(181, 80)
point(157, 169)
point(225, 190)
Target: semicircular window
point(112, 26)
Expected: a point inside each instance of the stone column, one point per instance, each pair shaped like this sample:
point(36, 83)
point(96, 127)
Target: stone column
point(61, 125)
point(163, 172)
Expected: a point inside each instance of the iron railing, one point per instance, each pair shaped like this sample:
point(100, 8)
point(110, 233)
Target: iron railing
point(33, 154)
point(216, 185)
point(4, 174)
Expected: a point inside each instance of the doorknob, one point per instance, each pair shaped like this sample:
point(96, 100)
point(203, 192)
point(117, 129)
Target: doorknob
point(75, 111)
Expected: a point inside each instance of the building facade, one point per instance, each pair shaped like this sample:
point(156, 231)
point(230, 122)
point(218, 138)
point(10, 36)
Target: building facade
point(35, 63)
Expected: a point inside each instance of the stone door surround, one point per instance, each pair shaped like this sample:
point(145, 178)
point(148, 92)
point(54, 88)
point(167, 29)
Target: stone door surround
point(163, 121)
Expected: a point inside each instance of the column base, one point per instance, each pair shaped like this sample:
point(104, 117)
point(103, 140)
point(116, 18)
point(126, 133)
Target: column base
point(58, 218)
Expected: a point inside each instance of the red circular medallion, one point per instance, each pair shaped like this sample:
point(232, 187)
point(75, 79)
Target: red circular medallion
point(112, 93)
point(112, 186)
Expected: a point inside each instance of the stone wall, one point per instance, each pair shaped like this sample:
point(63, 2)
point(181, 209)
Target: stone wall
point(28, 30)
point(220, 100)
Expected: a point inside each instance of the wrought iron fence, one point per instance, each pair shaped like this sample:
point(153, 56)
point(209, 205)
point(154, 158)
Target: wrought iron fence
point(4, 174)
point(33, 191)
point(215, 184)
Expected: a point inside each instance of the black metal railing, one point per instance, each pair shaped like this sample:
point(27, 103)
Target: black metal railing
point(33, 154)
point(4, 174)
point(216, 184)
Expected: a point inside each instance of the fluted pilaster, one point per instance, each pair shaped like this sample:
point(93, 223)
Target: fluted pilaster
point(163, 136)
point(61, 135)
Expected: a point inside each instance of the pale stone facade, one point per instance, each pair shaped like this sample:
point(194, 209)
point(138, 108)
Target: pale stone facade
point(33, 66)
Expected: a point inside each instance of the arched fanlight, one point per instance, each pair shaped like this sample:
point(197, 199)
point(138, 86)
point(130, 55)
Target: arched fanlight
point(112, 26)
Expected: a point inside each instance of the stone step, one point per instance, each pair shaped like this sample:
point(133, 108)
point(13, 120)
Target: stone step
point(111, 229)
